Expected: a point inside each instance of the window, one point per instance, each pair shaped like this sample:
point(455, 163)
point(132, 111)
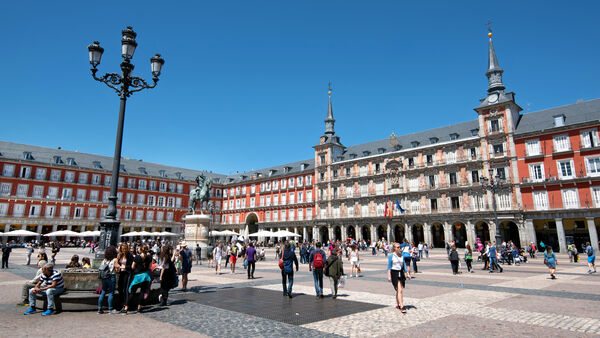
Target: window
point(309, 196)
point(25, 172)
point(55, 175)
point(593, 166)
point(22, 190)
point(453, 179)
point(275, 187)
point(455, 202)
point(503, 201)
point(162, 186)
point(431, 181)
point(139, 215)
point(348, 171)
point(299, 181)
point(40, 173)
point(38, 191)
point(411, 162)
point(450, 156)
point(283, 183)
point(151, 200)
point(291, 182)
point(142, 184)
point(152, 185)
point(160, 216)
point(161, 201)
point(97, 165)
point(96, 179)
point(474, 132)
point(129, 198)
point(170, 202)
point(498, 149)
point(252, 202)
point(119, 197)
point(570, 198)
point(533, 147)
point(92, 213)
point(3, 209)
point(81, 193)
point(172, 187)
point(78, 213)
point(19, 210)
point(5, 189)
point(536, 172)
point(121, 182)
point(50, 211)
point(501, 173)
point(309, 213)
point(107, 180)
point(433, 140)
point(131, 183)
point(105, 196)
point(83, 178)
point(454, 136)
point(180, 188)
point(475, 176)
point(283, 199)
point(308, 179)
point(561, 143)
point(565, 169)
point(53, 193)
point(292, 198)
point(540, 200)
point(433, 204)
point(93, 195)
point(65, 212)
point(322, 160)
point(8, 170)
point(559, 120)
point(429, 159)
point(69, 176)
point(300, 197)
point(589, 138)
point(495, 126)
point(596, 196)
point(149, 215)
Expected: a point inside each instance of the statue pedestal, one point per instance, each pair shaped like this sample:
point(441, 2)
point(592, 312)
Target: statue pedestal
point(196, 232)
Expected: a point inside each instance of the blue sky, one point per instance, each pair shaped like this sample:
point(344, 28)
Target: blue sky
point(244, 85)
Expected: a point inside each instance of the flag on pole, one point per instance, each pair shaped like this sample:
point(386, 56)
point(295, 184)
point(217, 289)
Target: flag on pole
point(385, 212)
point(399, 207)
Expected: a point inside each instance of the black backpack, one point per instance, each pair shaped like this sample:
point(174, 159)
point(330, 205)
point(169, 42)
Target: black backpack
point(104, 271)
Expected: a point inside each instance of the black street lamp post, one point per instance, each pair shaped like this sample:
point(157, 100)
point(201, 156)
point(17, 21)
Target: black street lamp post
point(124, 85)
point(492, 184)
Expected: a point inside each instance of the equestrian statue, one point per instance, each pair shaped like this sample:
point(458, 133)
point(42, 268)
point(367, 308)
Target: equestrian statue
point(200, 194)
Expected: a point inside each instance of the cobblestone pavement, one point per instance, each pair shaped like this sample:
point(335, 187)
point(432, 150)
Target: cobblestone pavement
point(521, 301)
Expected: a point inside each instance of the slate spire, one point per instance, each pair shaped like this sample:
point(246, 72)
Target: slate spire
point(329, 121)
point(494, 72)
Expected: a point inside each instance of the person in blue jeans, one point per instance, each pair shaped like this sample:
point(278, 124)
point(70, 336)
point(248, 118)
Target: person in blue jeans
point(591, 257)
point(108, 283)
point(316, 262)
point(493, 257)
point(287, 272)
point(550, 261)
point(51, 284)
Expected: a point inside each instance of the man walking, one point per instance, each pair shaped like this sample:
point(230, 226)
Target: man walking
point(29, 251)
point(287, 269)
point(50, 284)
point(250, 257)
point(198, 255)
point(334, 270)
point(316, 264)
point(6, 249)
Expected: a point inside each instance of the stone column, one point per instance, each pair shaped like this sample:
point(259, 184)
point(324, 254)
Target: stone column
point(408, 232)
point(593, 232)
point(560, 230)
point(448, 232)
point(304, 233)
point(315, 233)
point(39, 229)
point(373, 229)
point(330, 231)
point(358, 231)
point(426, 233)
point(390, 234)
point(344, 233)
point(492, 231)
point(470, 233)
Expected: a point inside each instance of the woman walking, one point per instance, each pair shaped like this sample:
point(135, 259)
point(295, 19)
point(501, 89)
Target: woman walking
point(125, 259)
point(453, 257)
point(108, 271)
point(354, 259)
point(550, 261)
point(168, 275)
point(396, 275)
point(140, 279)
point(334, 270)
point(415, 257)
point(469, 258)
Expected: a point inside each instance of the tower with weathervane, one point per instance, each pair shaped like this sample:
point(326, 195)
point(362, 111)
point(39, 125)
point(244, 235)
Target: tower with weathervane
point(327, 151)
point(498, 116)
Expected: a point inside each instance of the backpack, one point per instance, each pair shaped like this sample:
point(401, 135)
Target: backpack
point(326, 272)
point(318, 261)
point(104, 271)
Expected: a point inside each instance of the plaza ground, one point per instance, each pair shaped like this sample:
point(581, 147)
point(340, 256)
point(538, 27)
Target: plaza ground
point(521, 301)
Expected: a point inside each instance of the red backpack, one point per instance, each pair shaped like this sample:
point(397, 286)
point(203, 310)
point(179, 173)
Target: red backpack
point(318, 261)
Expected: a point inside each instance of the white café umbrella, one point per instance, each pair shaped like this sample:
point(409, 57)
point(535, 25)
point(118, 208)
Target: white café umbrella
point(229, 233)
point(89, 233)
point(130, 234)
point(19, 233)
point(215, 233)
point(146, 233)
point(62, 233)
point(262, 233)
point(166, 233)
point(285, 233)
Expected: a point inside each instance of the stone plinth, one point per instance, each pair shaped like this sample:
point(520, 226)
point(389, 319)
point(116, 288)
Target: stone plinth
point(196, 232)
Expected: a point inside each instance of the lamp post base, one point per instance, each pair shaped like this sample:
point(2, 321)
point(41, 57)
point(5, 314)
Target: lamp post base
point(109, 235)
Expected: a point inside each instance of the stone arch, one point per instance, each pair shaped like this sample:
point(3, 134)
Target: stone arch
point(510, 232)
point(323, 234)
point(438, 239)
point(459, 232)
point(418, 234)
point(482, 232)
point(365, 232)
point(252, 222)
point(351, 232)
point(399, 233)
point(381, 233)
point(337, 233)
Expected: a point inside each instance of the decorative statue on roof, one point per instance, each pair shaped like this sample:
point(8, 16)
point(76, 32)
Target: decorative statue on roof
point(200, 194)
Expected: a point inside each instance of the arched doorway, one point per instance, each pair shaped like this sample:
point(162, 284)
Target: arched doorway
point(366, 234)
point(323, 234)
point(510, 232)
point(381, 234)
point(399, 233)
point(309, 234)
point(252, 222)
point(337, 233)
point(482, 232)
point(459, 232)
point(351, 232)
point(439, 241)
point(418, 235)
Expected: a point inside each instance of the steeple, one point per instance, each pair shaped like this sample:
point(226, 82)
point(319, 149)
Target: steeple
point(494, 72)
point(329, 121)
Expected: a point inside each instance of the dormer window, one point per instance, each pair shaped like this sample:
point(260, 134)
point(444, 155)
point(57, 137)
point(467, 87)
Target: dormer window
point(271, 172)
point(27, 155)
point(230, 180)
point(143, 171)
point(216, 180)
point(122, 168)
point(71, 161)
point(366, 153)
point(97, 165)
point(162, 173)
point(397, 147)
point(352, 156)
point(179, 175)
point(303, 166)
point(286, 170)
point(433, 140)
point(474, 132)
point(414, 144)
point(380, 150)
point(559, 120)
point(340, 158)
point(243, 177)
point(57, 160)
point(454, 136)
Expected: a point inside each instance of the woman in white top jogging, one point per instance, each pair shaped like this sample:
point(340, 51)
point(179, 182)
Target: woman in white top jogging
point(397, 275)
point(354, 261)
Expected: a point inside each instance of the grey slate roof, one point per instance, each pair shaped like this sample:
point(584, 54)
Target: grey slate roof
point(464, 130)
point(279, 170)
point(15, 151)
point(580, 112)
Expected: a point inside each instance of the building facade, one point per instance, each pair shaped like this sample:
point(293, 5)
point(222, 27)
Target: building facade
point(425, 187)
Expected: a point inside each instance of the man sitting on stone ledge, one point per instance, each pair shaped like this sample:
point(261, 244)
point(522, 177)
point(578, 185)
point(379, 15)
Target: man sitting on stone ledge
point(50, 284)
point(31, 284)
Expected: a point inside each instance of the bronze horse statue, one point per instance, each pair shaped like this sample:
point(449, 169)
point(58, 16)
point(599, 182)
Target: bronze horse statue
point(200, 194)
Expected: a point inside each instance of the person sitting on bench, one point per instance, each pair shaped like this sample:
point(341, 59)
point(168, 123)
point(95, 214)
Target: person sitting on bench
point(50, 284)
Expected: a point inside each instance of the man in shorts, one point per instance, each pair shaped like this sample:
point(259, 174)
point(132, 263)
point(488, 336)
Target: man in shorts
point(217, 254)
